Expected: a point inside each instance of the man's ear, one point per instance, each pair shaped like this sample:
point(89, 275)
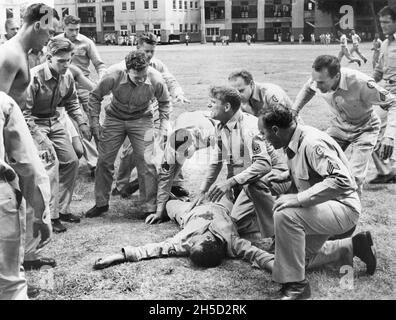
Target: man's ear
point(49, 57)
point(275, 130)
point(37, 26)
point(227, 107)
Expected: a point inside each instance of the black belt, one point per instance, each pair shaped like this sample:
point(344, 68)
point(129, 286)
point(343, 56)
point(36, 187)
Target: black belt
point(390, 81)
point(44, 115)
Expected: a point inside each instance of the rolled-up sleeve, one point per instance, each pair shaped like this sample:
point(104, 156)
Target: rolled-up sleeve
point(243, 249)
point(93, 54)
point(72, 106)
point(162, 95)
point(304, 96)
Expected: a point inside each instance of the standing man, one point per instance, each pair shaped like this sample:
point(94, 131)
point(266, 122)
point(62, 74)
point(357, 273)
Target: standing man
point(351, 96)
point(256, 97)
point(53, 86)
point(11, 27)
point(344, 51)
point(312, 38)
point(376, 49)
point(248, 39)
point(355, 45)
point(324, 202)
point(147, 42)
point(249, 159)
point(300, 38)
point(85, 53)
point(386, 70)
point(133, 84)
point(187, 39)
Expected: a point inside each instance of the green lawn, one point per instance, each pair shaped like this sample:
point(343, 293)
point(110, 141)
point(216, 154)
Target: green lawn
point(197, 67)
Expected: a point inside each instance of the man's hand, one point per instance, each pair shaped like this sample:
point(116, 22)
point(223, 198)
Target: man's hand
point(96, 131)
point(181, 99)
point(45, 231)
point(386, 148)
point(277, 177)
point(286, 201)
point(155, 218)
point(217, 191)
point(197, 201)
point(86, 131)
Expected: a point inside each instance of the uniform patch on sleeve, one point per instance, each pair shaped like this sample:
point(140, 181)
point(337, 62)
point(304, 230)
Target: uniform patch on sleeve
point(319, 151)
point(275, 99)
point(383, 94)
point(256, 148)
point(331, 167)
point(371, 84)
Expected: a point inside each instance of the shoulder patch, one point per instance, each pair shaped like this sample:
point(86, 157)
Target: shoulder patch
point(331, 167)
point(165, 166)
point(256, 148)
point(371, 84)
point(275, 99)
point(319, 151)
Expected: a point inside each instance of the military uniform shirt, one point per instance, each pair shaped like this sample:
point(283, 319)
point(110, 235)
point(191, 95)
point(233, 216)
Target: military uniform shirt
point(353, 99)
point(386, 66)
point(319, 169)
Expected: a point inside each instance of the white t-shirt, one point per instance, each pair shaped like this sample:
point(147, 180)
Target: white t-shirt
point(355, 39)
point(343, 40)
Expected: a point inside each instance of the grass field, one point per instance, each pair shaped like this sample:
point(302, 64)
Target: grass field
point(197, 67)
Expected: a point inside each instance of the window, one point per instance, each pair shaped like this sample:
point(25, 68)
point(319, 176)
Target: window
point(180, 4)
point(180, 27)
point(186, 27)
point(146, 28)
point(133, 28)
point(157, 26)
point(212, 32)
point(146, 4)
point(155, 4)
point(124, 30)
point(65, 12)
point(191, 28)
point(123, 6)
point(132, 6)
point(174, 4)
point(191, 4)
point(185, 5)
point(196, 4)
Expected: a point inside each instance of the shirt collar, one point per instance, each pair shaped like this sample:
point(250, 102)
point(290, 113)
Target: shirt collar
point(48, 74)
point(231, 124)
point(343, 81)
point(255, 93)
point(78, 38)
point(294, 143)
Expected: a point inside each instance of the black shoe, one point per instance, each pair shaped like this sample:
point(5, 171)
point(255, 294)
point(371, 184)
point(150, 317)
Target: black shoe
point(359, 63)
point(179, 191)
point(57, 226)
point(37, 264)
point(363, 249)
point(69, 217)
point(295, 291)
point(32, 291)
point(96, 211)
point(130, 189)
point(365, 60)
point(383, 178)
point(345, 235)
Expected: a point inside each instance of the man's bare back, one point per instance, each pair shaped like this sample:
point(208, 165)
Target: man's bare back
point(14, 70)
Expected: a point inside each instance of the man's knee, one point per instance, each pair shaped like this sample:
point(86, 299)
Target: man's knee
point(285, 217)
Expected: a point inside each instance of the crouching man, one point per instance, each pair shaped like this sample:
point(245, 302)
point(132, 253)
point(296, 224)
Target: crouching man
point(325, 202)
point(208, 235)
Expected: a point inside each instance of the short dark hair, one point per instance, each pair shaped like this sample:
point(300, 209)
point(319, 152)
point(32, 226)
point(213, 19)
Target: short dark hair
point(59, 45)
point(226, 94)
point(136, 60)
point(245, 75)
point(279, 115)
point(209, 253)
point(147, 37)
point(36, 11)
point(9, 22)
point(70, 19)
point(331, 63)
point(388, 11)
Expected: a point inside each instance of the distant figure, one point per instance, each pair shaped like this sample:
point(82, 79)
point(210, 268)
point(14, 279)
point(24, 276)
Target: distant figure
point(280, 38)
point(223, 40)
point(355, 45)
point(312, 38)
point(236, 37)
point(328, 38)
point(187, 39)
point(254, 38)
point(300, 38)
point(248, 39)
point(292, 39)
point(214, 40)
point(376, 48)
point(11, 28)
point(227, 39)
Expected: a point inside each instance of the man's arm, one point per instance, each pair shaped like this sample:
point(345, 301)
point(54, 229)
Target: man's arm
point(337, 179)
point(215, 165)
point(243, 249)
point(275, 97)
point(31, 91)
point(93, 54)
point(379, 67)
point(304, 96)
point(72, 106)
point(79, 77)
point(162, 95)
point(8, 71)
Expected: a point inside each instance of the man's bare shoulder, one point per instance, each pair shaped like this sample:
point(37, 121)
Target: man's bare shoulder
point(11, 57)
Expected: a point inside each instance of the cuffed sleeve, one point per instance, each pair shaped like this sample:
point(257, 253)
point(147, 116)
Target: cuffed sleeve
point(304, 96)
point(153, 250)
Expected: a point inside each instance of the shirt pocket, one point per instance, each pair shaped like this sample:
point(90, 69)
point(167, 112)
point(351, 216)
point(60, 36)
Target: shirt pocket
point(392, 58)
point(301, 178)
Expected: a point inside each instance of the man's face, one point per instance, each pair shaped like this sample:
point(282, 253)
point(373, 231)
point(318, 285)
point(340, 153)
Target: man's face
point(217, 109)
point(198, 239)
point(12, 29)
point(245, 90)
point(138, 77)
point(271, 135)
point(72, 31)
point(60, 62)
point(324, 82)
point(353, 32)
point(388, 25)
point(149, 49)
point(44, 31)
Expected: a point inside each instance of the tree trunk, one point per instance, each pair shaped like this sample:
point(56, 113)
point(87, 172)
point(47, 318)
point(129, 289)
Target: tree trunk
point(373, 13)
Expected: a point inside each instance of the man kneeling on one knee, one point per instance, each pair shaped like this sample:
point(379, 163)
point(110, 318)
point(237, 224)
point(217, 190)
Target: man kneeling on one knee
point(325, 202)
